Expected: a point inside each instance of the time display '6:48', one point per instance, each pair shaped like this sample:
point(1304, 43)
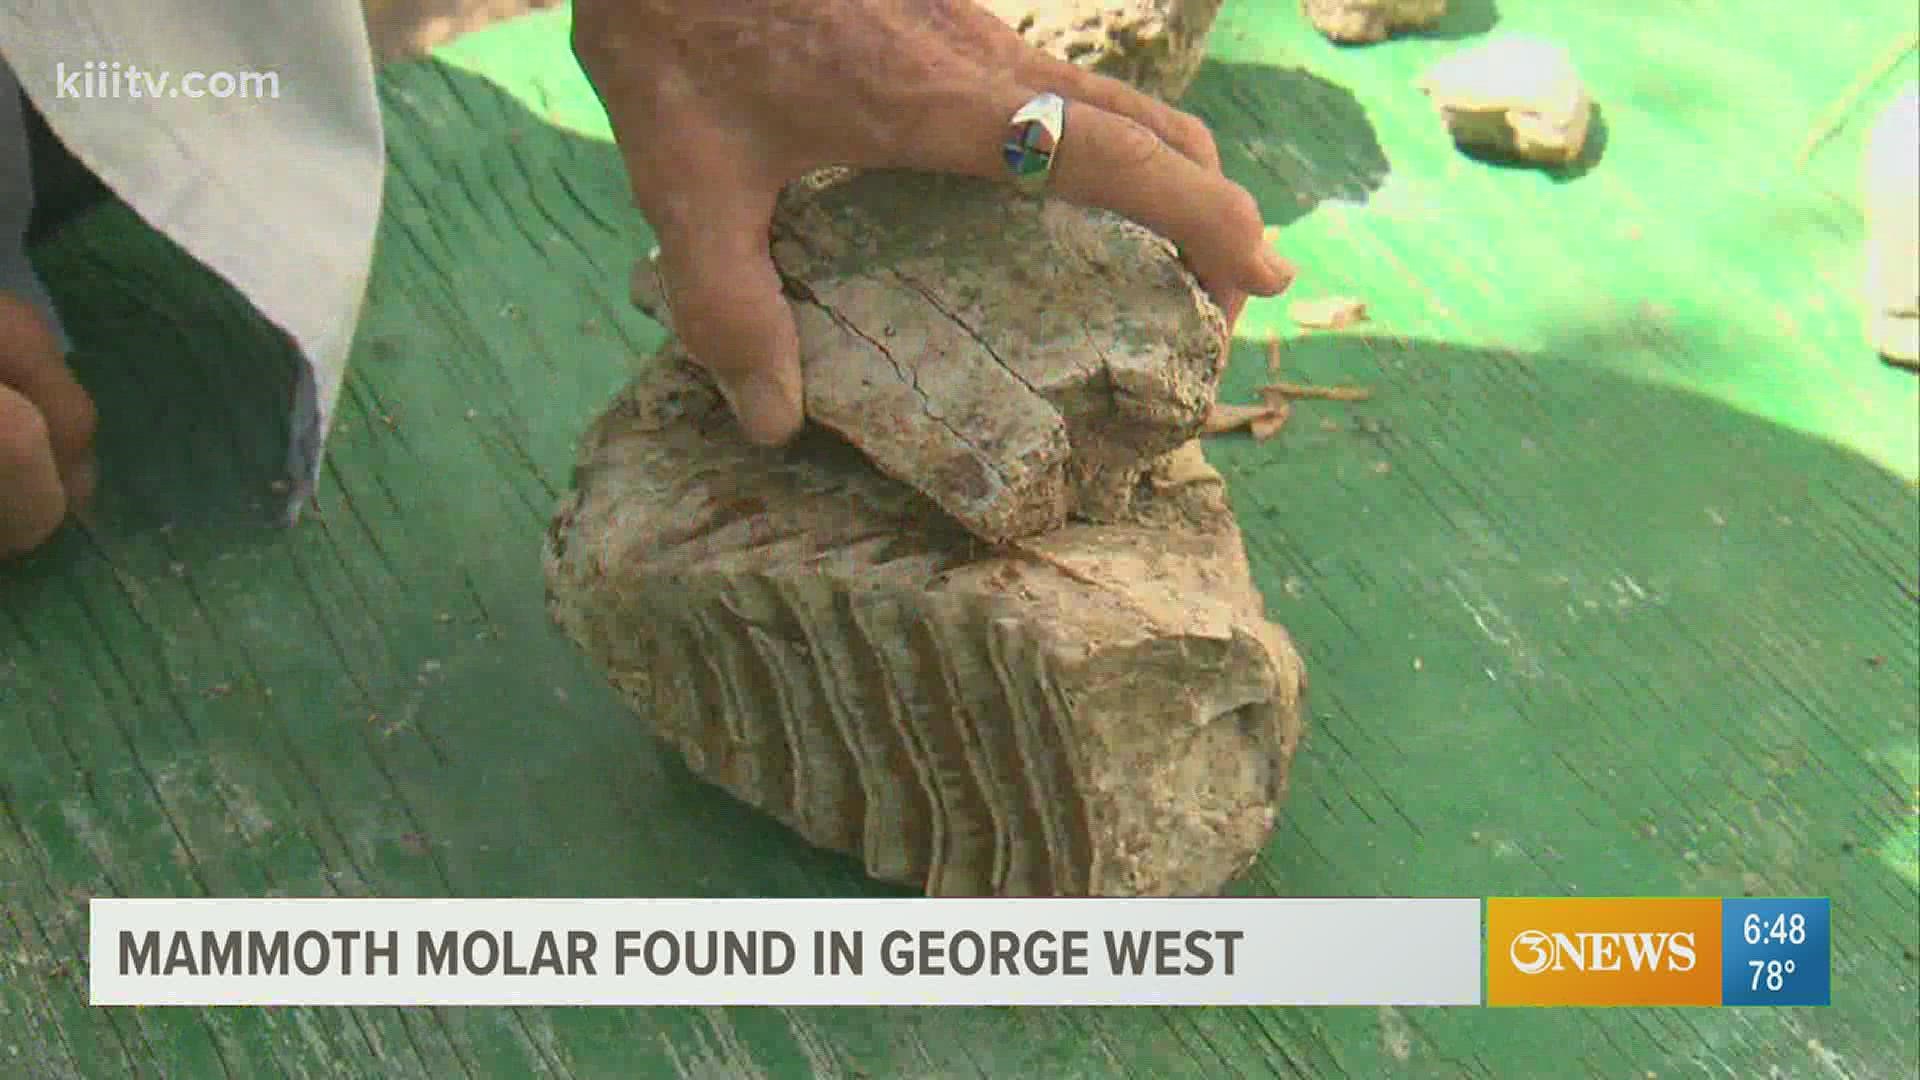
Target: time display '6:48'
point(1777, 952)
point(1782, 929)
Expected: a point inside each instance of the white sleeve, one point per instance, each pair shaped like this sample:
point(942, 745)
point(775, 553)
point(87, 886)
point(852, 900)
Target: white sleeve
point(248, 132)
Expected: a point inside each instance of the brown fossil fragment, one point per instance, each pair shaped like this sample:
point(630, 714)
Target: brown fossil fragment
point(1100, 710)
point(1017, 361)
point(1364, 22)
point(1156, 45)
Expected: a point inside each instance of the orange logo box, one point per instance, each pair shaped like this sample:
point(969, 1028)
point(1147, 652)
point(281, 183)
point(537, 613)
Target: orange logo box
point(1598, 951)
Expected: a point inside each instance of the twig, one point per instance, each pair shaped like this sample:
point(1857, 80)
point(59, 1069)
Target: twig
point(1266, 427)
point(1226, 416)
point(1297, 391)
point(1836, 114)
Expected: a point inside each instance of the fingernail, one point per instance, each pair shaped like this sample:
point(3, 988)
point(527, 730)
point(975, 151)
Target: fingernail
point(768, 411)
point(1279, 267)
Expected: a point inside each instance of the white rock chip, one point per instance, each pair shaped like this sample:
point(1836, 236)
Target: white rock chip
point(1891, 187)
point(1514, 97)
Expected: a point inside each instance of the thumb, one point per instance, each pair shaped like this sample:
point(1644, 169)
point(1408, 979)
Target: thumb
point(727, 309)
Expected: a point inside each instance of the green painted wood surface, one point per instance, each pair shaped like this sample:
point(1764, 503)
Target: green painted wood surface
point(1611, 590)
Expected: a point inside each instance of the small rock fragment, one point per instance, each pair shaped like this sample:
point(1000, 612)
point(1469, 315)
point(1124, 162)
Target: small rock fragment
point(1329, 312)
point(1363, 22)
point(1514, 97)
point(1891, 184)
point(1156, 45)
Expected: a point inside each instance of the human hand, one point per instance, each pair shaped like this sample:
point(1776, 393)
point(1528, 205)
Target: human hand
point(46, 432)
point(718, 104)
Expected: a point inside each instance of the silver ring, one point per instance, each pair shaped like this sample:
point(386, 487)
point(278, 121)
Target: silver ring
point(1033, 140)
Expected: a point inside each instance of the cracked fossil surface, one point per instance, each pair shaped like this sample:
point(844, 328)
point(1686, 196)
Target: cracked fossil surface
point(1017, 361)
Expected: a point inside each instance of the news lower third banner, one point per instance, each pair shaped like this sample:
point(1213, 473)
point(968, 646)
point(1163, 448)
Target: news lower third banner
point(786, 952)
point(1557, 951)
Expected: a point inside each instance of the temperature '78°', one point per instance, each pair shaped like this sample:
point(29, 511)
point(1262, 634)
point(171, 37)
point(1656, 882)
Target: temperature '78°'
point(1774, 971)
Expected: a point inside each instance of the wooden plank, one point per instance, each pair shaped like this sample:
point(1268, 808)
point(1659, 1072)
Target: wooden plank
point(1609, 589)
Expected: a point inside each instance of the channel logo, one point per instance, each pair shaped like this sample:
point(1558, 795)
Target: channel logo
point(1594, 951)
point(1535, 951)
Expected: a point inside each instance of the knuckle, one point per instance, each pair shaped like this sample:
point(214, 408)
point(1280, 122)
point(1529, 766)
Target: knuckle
point(1197, 139)
point(20, 538)
point(1241, 213)
point(913, 114)
point(1135, 143)
point(702, 323)
point(25, 441)
point(79, 425)
point(28, 523)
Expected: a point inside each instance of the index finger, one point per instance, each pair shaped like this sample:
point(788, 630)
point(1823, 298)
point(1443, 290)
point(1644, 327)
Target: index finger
point(1112, 161)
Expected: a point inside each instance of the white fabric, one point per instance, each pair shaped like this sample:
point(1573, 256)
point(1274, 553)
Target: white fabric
point(279, 195)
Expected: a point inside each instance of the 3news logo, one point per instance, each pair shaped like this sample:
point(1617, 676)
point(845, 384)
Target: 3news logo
point(1653, 951)
point(1595, 951)
point(1535, 951)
